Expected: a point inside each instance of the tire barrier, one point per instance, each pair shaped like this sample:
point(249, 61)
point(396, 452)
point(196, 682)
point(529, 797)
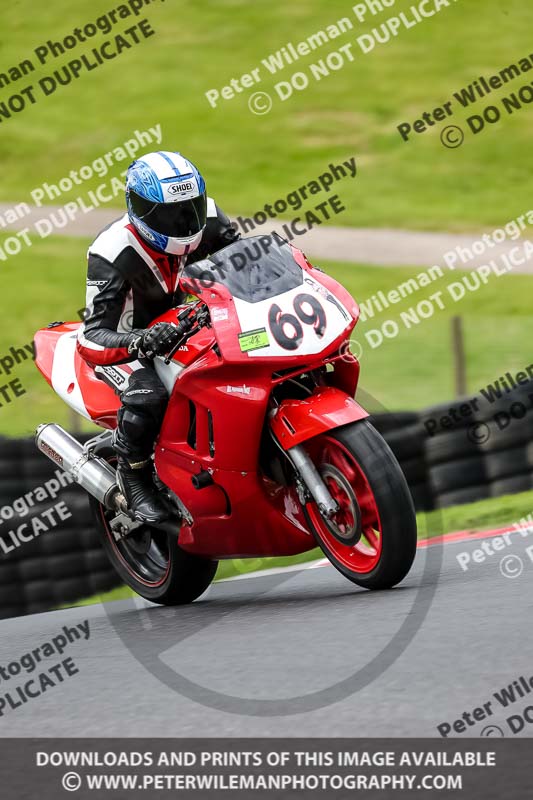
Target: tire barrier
point(406, 436)
point(50, 554)
point(471, 449)
point(450, 454)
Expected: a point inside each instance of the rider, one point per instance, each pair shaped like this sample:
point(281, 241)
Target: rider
point(133, 276)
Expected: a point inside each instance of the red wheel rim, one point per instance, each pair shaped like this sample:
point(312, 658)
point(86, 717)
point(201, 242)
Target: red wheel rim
point(365, 555)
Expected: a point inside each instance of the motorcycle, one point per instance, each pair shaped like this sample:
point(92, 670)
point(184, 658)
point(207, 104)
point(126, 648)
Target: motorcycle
point(263, 450)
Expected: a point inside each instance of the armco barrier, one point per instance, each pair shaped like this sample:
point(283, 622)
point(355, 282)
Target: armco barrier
point(50, 554)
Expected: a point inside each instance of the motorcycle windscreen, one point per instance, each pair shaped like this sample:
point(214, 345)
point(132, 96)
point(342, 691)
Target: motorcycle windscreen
point(282, 310)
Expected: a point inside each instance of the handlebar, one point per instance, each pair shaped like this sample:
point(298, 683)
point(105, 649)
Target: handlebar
point(190, 320)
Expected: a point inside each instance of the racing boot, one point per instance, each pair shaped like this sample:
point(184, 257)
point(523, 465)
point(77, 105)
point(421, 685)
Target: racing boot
point(136, 483)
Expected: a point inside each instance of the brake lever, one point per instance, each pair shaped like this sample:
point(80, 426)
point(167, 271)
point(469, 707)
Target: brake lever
point(169, 355)
point(181, 341)
point(199, 319)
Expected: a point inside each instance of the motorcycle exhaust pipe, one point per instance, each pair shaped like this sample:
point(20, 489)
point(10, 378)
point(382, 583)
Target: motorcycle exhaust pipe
point(91, 472)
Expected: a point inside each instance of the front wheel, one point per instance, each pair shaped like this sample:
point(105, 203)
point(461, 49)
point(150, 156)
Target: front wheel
point(151, 562)
point(372, 538)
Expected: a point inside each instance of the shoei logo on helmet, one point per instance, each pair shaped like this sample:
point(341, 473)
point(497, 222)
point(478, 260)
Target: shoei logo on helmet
point(181, 188)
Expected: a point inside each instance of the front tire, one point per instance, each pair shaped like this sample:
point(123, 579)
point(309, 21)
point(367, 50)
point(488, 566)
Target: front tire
point(151, 562)
point(372, 539)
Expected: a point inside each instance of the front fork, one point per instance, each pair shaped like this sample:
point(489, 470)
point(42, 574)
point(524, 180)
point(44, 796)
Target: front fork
point(312, 480)
point(295, 421)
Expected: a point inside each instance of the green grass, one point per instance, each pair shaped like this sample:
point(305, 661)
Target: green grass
point(415, 369)
point(250, 160)
point(497, 512)
point(47, 282)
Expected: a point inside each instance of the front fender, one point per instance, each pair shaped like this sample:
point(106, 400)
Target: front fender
point(295, 421)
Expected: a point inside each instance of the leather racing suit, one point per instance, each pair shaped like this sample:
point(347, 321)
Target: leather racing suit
point(129, 284)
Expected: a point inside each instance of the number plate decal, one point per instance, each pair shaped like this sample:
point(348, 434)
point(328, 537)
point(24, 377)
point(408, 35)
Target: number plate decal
point(302, 321)
point(253, 340)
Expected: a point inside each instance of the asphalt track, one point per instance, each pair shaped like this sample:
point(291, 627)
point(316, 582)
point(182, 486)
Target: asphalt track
point(274, 636)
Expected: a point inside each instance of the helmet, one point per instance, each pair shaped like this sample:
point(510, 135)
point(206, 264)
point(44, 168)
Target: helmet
point(167, 202)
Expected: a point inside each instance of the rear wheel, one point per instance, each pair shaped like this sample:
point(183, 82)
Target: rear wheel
point(371, 540)
point(152, 563)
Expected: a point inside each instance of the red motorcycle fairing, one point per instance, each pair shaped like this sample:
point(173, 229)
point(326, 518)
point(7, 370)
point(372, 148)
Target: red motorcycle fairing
point(214, 422)
point(295, 421)
point(71, 377)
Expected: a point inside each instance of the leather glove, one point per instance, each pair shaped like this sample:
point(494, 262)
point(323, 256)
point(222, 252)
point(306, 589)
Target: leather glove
point(156, 341)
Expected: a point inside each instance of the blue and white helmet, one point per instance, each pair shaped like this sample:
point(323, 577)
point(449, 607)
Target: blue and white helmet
point(167, 201)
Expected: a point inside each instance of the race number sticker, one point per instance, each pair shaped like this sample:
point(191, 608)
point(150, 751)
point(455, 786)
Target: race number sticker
point(287, 328)
point(253, 340)
point(302, 321)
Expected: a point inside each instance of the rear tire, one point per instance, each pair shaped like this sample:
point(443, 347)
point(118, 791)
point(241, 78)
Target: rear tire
point(151, 562)
point(386, 551)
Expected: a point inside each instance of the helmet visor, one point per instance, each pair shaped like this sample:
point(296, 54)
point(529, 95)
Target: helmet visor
point(176, 220)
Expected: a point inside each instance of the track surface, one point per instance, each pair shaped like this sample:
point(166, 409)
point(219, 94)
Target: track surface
point(285, 634)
